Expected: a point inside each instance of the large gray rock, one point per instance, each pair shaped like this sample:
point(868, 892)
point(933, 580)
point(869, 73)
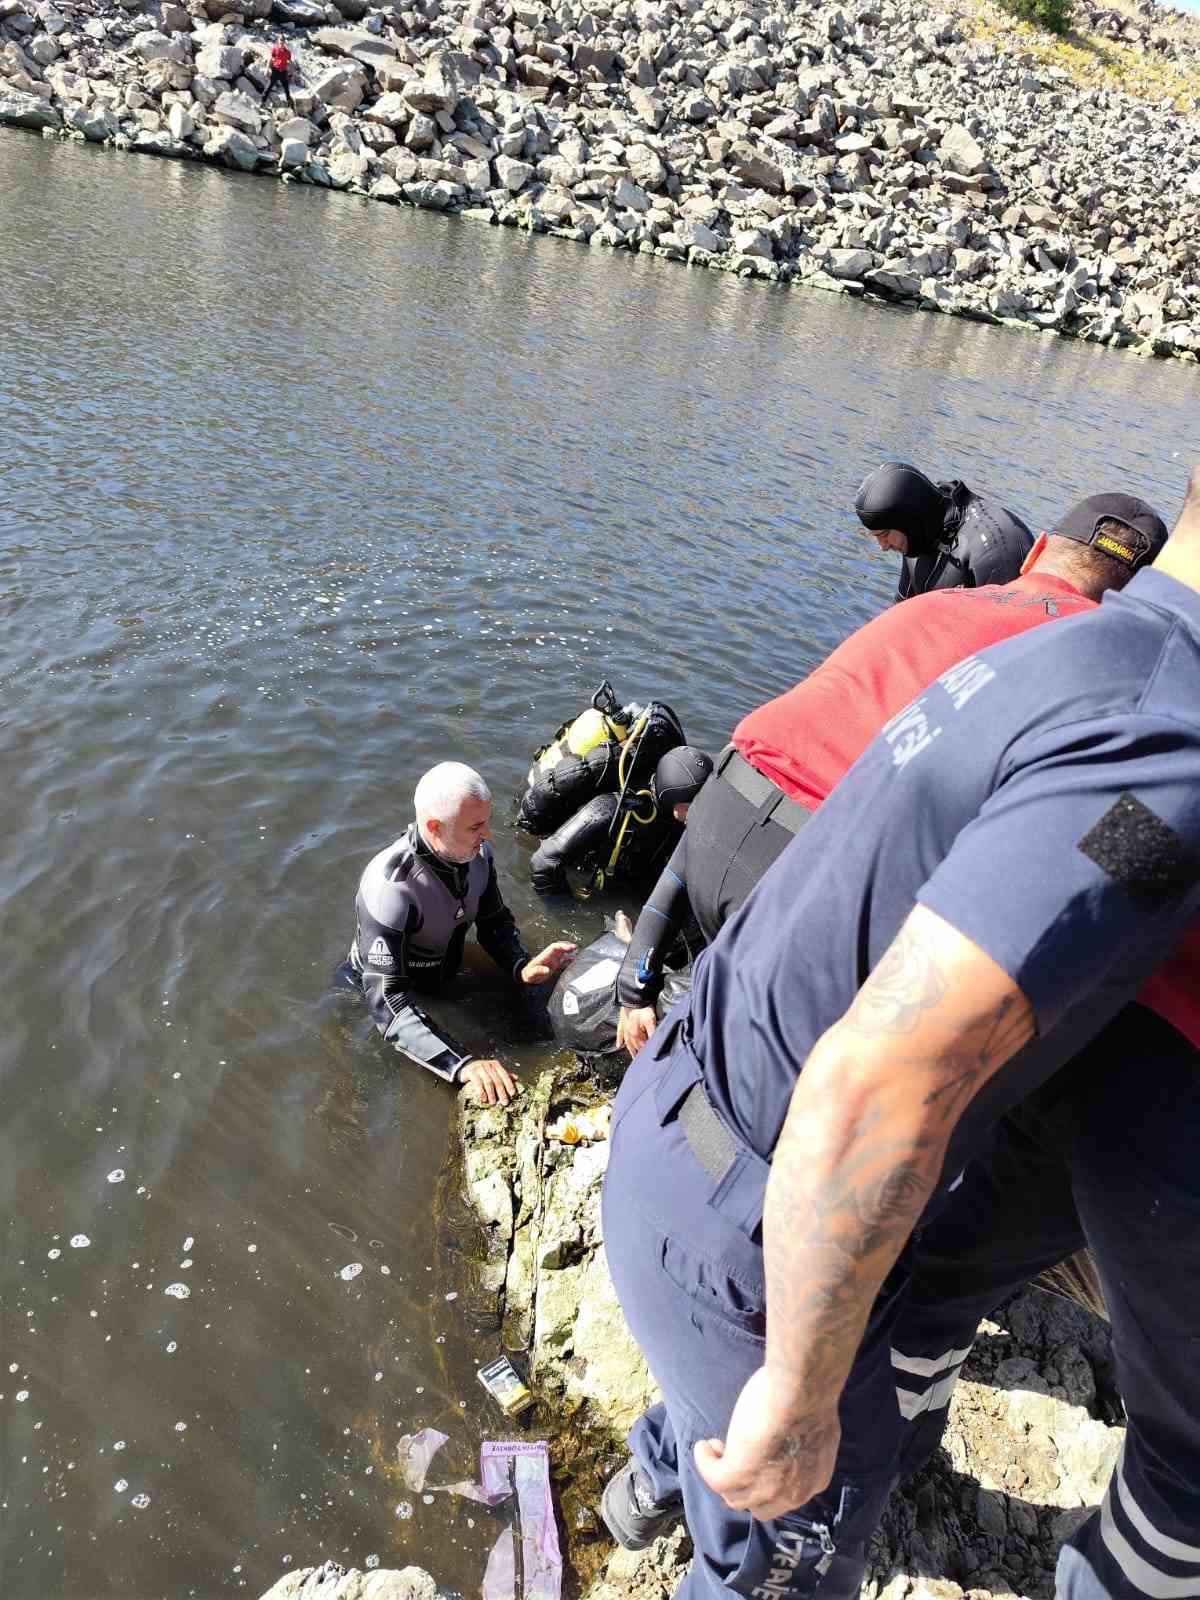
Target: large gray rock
point(438, 90)
point(232, 147)
point(299, 13)
point(894, 279)
point(175, 18)
point(181, 124)
point(422, 131)
point(629, 196)
point(390, 109)
point(357, 44)
point(96, 123)
point(155, 46)
point(752, 242)
point(333, 1582)
point(849, 264)
point(749, 166)
point(238, 111)
point(342, 87)
point(697, 107)
point(512, 175)
point(961, 152)
point(597, 60)
point(297, 128)
point(646, 166)
point(695, 235)
point(27, 111)
point(44, 49)
point(220, 61)
point(650, 109)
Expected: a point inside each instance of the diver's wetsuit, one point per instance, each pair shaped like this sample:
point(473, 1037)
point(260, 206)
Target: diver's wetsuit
point(413, 912)
point(588, 838)
point(983, 543)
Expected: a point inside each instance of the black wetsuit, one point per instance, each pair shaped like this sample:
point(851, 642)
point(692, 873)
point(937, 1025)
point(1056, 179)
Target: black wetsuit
point(587, 839)
point(982, 542)
point(413, 913)
point(737, 826)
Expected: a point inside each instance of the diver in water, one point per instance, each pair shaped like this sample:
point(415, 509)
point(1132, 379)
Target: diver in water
point(949, 536)
point(416, 902)
point(630, 835)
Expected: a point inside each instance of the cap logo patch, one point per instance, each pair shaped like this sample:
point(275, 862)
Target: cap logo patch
point(1107, 543)
point(1141, 852)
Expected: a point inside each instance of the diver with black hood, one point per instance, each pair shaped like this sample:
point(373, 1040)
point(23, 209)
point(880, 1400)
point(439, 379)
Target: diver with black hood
point(950, 537)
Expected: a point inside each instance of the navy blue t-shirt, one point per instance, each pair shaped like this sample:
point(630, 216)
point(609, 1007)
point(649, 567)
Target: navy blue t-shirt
point(1043, 797)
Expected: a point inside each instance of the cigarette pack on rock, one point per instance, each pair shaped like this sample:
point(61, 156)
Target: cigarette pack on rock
point(502, 1381)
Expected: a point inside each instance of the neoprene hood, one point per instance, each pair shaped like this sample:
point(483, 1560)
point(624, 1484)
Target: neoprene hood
point(680, 775)
point(897, 495)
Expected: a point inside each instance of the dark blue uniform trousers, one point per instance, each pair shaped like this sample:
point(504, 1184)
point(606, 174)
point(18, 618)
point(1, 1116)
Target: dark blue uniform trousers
point(686, 1258)
point(1107, 1154)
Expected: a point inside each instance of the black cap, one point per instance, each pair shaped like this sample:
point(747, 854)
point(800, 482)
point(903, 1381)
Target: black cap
point(1144, 534)
point(680, 775)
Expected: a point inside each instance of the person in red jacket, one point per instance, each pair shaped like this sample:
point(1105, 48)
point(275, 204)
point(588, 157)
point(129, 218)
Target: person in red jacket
point(787, 755)
point(281, 72)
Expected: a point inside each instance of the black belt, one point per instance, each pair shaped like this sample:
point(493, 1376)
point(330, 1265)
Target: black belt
point(756, 787)
point(711, 1141)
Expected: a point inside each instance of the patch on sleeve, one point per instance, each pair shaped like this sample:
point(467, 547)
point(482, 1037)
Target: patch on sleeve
point(1141, 852)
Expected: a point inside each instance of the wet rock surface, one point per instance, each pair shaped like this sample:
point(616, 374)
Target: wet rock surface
point(880, 148)
point(1034, 1424)
point(333, 1582)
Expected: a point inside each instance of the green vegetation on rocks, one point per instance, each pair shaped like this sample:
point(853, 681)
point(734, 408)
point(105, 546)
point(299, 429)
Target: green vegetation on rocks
point(1053, 15)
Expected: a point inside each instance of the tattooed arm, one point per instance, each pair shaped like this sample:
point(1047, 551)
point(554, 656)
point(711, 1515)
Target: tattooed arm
point(858, 1157)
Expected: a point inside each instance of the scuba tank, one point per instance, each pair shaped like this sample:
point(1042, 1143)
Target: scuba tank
point(603, 723)
point(606, 748)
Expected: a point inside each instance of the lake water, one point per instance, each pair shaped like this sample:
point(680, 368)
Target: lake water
point(300, 494)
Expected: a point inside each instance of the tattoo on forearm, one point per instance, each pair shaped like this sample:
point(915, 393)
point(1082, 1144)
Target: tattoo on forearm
point(844, 1199)
point(905, 983)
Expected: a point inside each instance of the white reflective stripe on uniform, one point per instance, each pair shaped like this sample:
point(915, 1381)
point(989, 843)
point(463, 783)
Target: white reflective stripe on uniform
point(1173, 1549)
point(1148, 1579)
point(934, 1398)
point(926, 1366)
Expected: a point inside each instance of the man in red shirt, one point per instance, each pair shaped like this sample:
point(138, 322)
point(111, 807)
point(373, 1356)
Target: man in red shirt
point(787, 755)
point(281, 72)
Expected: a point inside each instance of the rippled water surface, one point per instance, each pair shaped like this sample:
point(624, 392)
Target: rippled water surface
point(299, 495)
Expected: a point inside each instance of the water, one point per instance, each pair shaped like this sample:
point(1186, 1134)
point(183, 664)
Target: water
point(300, 495)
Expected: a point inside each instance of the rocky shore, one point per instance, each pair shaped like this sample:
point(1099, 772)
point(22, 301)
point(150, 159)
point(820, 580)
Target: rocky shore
point(1034, 1427)
point(876, 148)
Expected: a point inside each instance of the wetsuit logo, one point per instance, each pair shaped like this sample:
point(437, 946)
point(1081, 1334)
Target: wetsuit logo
point(379, 955)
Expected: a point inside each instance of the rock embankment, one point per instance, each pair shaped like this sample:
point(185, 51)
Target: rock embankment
point(332, 1582)
point(1033, 1431)
point(876, 147)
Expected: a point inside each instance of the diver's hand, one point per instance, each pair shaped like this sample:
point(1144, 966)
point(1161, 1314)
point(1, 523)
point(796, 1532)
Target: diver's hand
point(548, 963)
point(492, 1082)
point(635, 1026)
